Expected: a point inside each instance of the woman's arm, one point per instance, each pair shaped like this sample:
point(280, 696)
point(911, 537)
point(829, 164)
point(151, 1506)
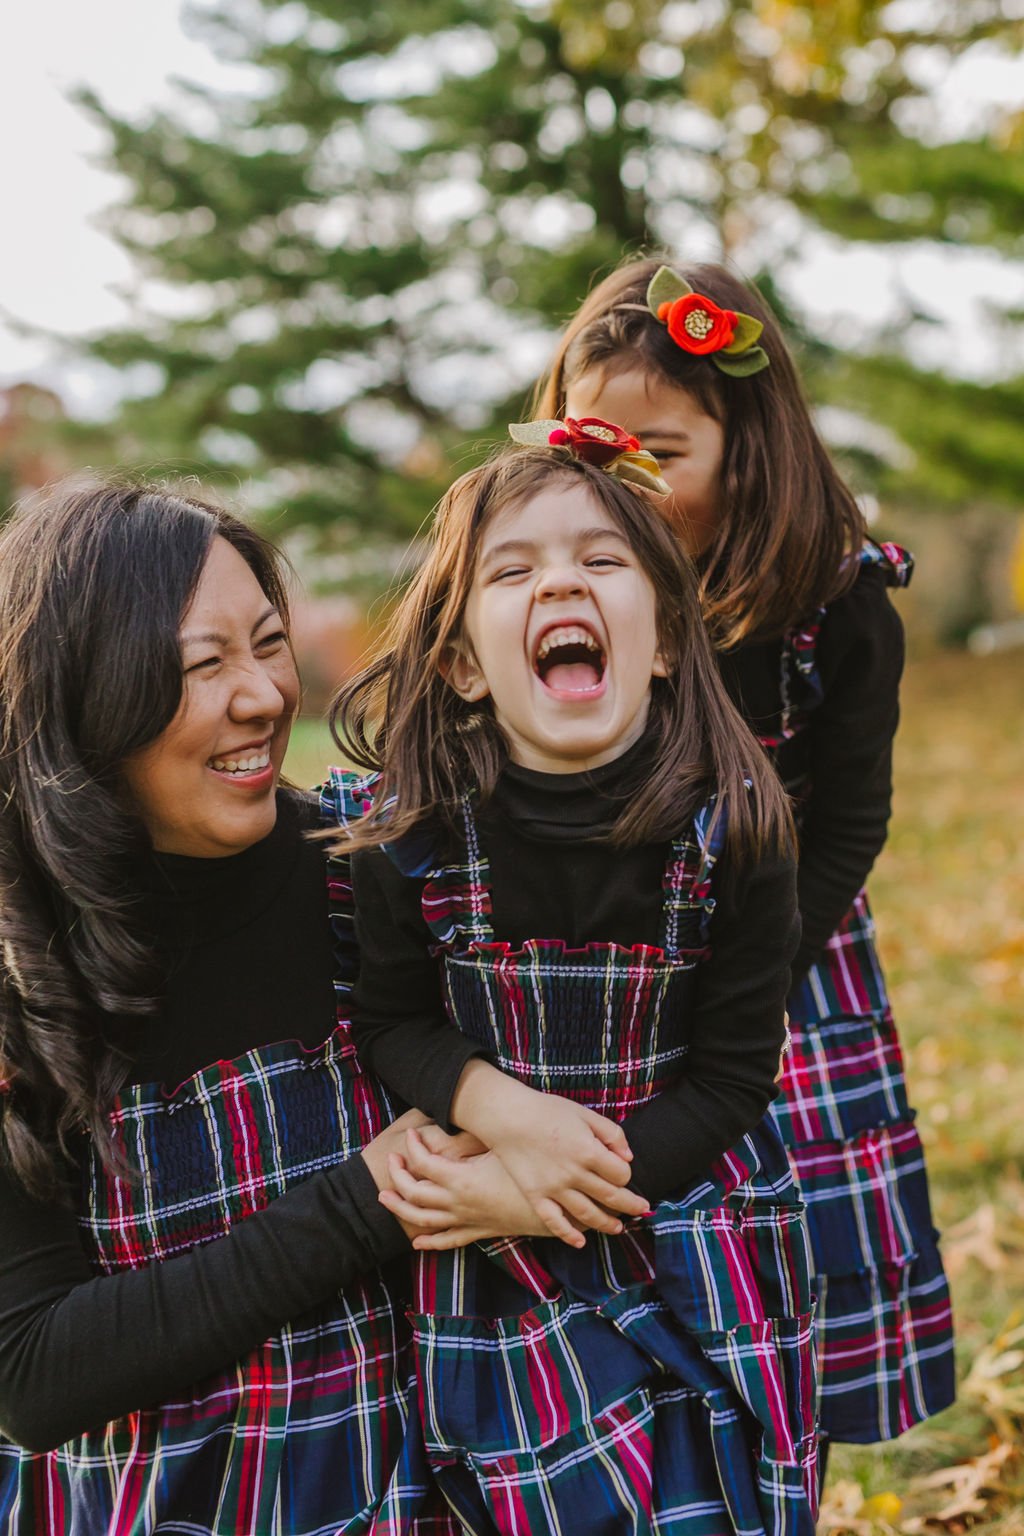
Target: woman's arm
point(737, 1032)
point(860, 659)
point(77, 1350)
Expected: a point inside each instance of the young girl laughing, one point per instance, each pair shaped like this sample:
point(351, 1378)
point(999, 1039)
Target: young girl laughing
point(576, 904)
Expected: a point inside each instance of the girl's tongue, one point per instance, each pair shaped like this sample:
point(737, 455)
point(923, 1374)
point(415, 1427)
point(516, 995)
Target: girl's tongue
point(570, 660)
point(573, 676)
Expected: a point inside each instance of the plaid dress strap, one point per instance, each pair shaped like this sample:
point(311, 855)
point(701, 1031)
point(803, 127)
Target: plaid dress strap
point(800, 687)
point(345, 797)
point(457, 894)
point(688, 903)
point(896, 562)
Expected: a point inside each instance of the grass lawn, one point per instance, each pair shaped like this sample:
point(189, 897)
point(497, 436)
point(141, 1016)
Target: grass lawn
point(310, 750)
point(948, 895)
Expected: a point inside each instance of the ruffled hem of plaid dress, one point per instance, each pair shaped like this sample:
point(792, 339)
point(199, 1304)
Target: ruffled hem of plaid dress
point(885, 1328)
point(662, 1380)
point(314, 1432)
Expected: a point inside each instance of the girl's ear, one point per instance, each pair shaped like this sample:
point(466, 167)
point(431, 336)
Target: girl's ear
point(461, 671)
point(659, 666)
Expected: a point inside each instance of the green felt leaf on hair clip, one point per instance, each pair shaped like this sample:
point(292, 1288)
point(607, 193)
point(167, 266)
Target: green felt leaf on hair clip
point(743, 364)
point(664, 288)
point(746, 331)
point(535, 434)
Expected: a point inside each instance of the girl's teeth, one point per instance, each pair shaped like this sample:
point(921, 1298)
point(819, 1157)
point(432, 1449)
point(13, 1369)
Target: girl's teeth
point(572, 636)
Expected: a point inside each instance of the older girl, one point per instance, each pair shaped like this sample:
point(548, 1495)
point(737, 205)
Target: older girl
point(796, 599)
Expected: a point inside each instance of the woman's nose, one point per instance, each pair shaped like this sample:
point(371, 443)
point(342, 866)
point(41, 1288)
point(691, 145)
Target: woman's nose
point(257, 695)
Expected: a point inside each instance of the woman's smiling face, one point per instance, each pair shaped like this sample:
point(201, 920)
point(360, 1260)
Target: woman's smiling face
point(560, 631)
point(205, 787)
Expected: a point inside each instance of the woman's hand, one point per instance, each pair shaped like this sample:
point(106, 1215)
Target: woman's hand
point(571, 1163)
point(450, 1192)
point(390, 1141)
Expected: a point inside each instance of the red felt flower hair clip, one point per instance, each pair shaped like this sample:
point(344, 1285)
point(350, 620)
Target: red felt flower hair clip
point(698, 325)
point(596, 442)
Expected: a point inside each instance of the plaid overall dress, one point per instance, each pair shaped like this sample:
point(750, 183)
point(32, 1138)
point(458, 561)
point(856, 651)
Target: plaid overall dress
point(885, 1333)
point(308, 1435)
point(659, 1381)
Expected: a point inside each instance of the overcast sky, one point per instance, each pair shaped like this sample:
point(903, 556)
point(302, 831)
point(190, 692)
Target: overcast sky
point(56, 268)
point(59, 271)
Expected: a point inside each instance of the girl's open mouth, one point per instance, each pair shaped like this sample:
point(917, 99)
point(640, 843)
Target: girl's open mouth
point(570, 662)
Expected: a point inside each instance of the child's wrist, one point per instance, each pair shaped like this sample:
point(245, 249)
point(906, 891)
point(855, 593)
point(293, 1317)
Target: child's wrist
point(486, 1102)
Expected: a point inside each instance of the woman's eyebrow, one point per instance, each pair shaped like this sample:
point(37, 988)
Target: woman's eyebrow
point(207, 637)
point(270, 612)
point(214, 637)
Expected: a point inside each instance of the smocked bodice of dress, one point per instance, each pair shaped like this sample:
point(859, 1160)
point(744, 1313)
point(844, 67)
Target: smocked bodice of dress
point(604, 1025)
point(223, 1145)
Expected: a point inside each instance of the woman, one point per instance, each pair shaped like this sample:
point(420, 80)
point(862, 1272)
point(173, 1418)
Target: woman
point(190, 1154)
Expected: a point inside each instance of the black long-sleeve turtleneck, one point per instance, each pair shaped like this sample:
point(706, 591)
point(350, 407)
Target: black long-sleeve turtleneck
point(845, 749)
point(245, 947)
point(551, 877)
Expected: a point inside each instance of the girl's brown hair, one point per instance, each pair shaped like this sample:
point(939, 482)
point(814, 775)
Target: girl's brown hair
point(94, 580)
point(788, 522)
point(401, 717)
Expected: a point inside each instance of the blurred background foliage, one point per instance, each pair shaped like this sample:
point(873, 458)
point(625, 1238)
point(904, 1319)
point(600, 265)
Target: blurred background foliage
point(362, 255)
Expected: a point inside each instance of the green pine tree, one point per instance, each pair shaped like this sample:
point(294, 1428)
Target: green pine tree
point(374, 243)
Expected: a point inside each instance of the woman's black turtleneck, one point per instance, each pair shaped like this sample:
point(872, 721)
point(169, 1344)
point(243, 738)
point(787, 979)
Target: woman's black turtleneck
point(244, 945)
point(552, 876)
point(245, 950)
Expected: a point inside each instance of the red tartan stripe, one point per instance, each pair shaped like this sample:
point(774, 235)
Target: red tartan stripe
point(847, 980)
point(865, 1184)
point(621, 1438)
point(250, 1173)
point(770, 1365)
point(839, 1079)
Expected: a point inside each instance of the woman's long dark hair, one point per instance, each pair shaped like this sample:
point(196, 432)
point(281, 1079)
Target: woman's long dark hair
point(399, 716)
point(94, 581)
point(788, 522)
